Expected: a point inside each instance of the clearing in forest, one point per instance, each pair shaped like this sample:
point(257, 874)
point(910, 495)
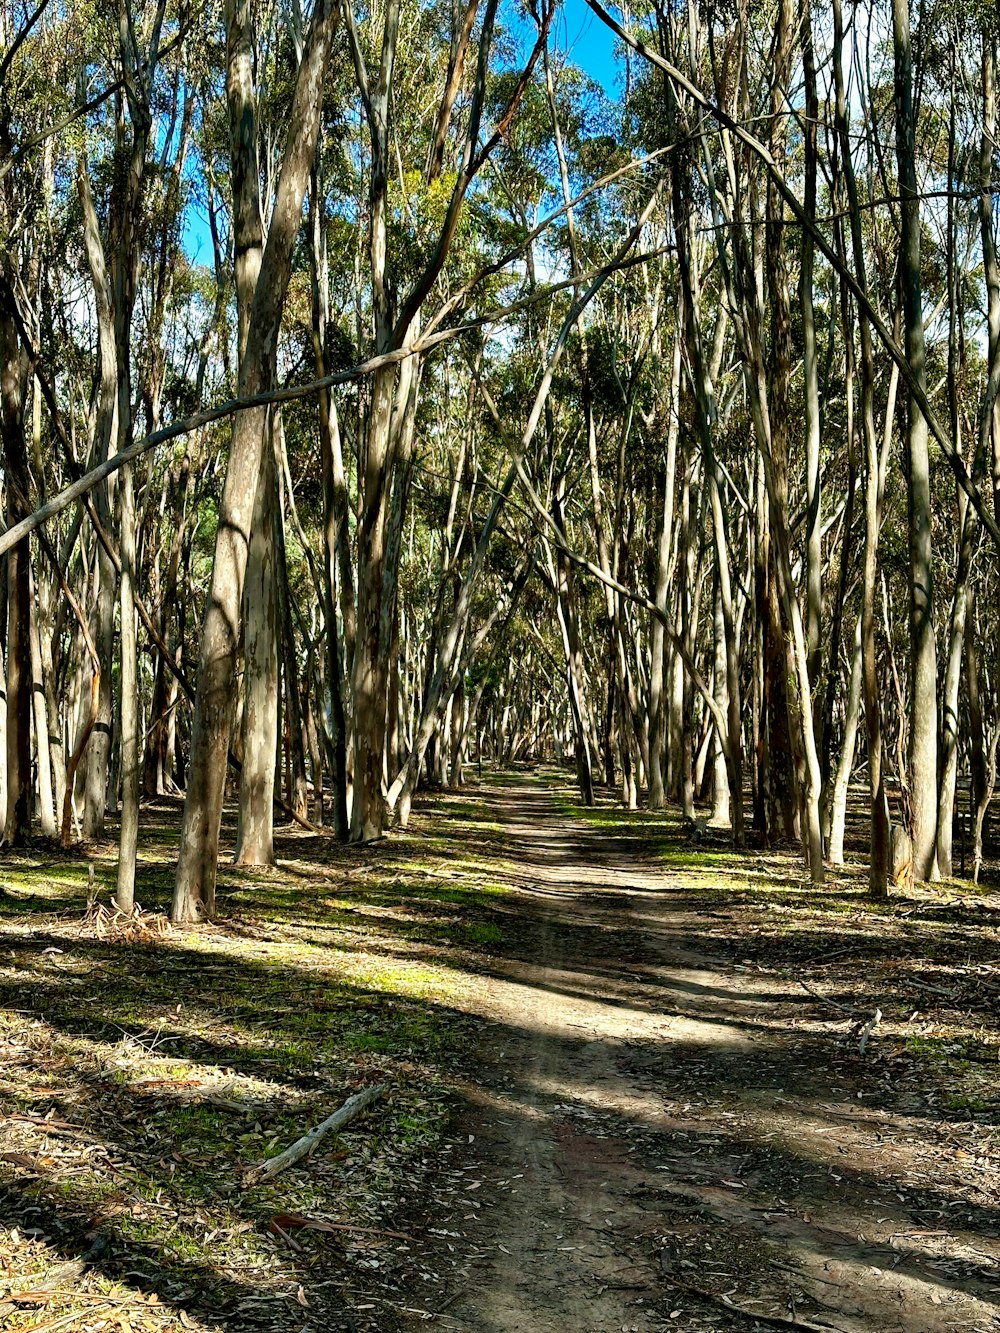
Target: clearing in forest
point(632, 1084)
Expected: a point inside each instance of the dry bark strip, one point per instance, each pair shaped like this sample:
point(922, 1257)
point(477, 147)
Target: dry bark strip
point(282, 1223)
point(306, 1145)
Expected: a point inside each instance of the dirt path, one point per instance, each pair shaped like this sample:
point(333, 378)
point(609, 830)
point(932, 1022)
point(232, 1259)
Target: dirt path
point(651, 1120)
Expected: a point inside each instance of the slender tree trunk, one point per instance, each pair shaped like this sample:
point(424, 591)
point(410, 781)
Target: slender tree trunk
point(335, 526)
point(566, 612)
point(13, 389)
point(335, 538)
point(991, 266)
point(255, 829)
point(721, 796)
point(259, 718)
point(977, 732)
point(836, 630)
point(299, 792)
point(370, 674)
point(657, 656)
point(129, 829)
point(952, 683)
point(841, 786)
point(158, 765)
point(46, 627)
point(810, 366)
point(46, 808)
point(704, 397)
point(922, 757)
point(878, 867)
point(194, 894)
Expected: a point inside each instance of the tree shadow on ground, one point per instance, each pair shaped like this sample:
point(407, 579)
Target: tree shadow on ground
point(116, 983)
point(302, 1029)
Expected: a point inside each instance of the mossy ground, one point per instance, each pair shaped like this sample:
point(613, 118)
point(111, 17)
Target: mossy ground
point(143, 1071)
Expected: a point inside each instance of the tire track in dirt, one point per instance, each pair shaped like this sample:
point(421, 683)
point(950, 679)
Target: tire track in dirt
point(644, 1122)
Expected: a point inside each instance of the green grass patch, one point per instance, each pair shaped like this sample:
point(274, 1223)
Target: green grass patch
point(188, 1056)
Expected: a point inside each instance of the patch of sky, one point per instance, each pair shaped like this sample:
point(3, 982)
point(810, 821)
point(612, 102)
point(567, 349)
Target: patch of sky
point(577, 36)
point(581, 36)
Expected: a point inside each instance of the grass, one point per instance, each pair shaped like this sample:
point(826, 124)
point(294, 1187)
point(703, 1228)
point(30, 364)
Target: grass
point(180, 1060)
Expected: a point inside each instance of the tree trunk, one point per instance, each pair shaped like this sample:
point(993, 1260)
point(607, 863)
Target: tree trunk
point(46, 807)
point(46, 589)
point(299, 790)
point(370, 674)
point(255, 829)
point(657, 656)
point(810, 367)
point(336, 540)
point(922, 757)
point(13, 390)
point(721, 795)
point(194, 894)
point(129, 829)
point(878, 866)
point(952, 683)
point(841, 786)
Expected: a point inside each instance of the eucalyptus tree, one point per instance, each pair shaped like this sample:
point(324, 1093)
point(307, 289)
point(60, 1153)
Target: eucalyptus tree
point(649, 380)
point(194, 893)
point(26, 66)
point(922, 758)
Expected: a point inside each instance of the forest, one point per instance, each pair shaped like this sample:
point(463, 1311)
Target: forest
point(499, 500)
point(659, 431)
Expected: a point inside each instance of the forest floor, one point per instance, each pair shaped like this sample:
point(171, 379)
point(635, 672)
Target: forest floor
point(633, 1084)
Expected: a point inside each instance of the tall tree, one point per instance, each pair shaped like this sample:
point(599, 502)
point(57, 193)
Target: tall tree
point(194, 893)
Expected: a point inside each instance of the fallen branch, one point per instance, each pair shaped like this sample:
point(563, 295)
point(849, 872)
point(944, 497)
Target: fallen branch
point(65, 1319)
point(290, 1240)
point(282, 1223)
point(943, 905)
point(60, 1127)
point(926, 985)
point(42, 1296)
point(306, 1145)
point(773, 1321)
point(825, 999)
point(818, 959)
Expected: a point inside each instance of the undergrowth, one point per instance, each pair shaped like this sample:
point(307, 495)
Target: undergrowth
point(143, 1074)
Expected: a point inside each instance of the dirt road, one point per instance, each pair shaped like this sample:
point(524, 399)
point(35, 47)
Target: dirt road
point(655, 1135)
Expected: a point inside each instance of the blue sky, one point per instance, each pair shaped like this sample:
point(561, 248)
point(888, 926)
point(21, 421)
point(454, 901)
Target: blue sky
point(590, 44)
point(576, 30)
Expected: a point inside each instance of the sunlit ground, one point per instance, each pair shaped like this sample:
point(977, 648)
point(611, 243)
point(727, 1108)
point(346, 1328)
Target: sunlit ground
point(144, 1072)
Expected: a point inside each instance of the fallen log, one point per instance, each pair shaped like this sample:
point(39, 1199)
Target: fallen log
point(306, 1145)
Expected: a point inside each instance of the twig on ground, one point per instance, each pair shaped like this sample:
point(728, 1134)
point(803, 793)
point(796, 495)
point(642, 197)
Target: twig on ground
point(41, 1295)
point(447, 1304)
point(280, 1231)
point(306, 1145)
point(65, 1319)
point(926, 985)
point(943, 905)
point(283, 1222)
point(866, 1031)
point(819, 958)
point(772, 1320)
point(59, 1127)
point(825, 999)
